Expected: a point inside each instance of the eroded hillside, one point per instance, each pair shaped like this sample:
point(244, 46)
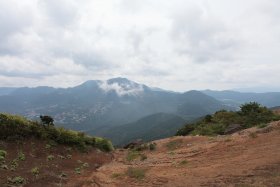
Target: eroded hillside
point(248, 158)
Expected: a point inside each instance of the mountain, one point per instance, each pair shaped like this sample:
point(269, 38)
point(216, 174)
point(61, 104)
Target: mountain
point(6, 90)
point(97, 105)
point(152, 127)
point(235, 98)
point(195, 103)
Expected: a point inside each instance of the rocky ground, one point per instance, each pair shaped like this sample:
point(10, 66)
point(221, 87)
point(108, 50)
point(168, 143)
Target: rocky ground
point(246, 158)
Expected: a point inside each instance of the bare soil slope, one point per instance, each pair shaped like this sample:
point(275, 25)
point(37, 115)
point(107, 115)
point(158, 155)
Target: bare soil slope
point(247, 158)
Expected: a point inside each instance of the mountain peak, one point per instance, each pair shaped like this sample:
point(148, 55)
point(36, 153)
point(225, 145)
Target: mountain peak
point(119, 80)
point(122, 86)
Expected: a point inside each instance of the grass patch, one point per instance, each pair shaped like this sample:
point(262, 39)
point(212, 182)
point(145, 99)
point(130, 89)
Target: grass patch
point(21, 156)
point(228, 140)
point(3, 155)
point(14, 165)
point(50, 158)
point(183, 163)
point(16, 180)
point(260, 126)
point(132, 155)
point(174, 144)
point(137, 173)
point(35, 171)
point(117, 175)
point(143, 157)
point(253, 135)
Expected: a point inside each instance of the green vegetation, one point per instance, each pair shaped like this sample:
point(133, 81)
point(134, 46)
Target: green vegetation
point(116, 175)
point(250, 114)
point(183, 162)
point(174, 144)
point(78, 170)
point(50, 158)
point(21, 156)
point(253, 135)
point(16, 128)
point(14, 165)
point(82, 166)
point(35, 171)
point(137, 173)
point(145, 146)
point(143, 157)
point(152, 146)
point(132, 155)
point(3, 155)
point(16, 180)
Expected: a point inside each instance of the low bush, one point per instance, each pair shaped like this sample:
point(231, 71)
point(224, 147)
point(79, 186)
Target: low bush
point(250, 114)
point(132, 155)
point(50, 158)
point(35, 171)
point(137, 173)
point(16, 180)
point(3, 155)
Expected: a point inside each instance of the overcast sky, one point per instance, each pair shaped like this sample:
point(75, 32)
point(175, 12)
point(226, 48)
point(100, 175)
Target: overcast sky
point(177, 45)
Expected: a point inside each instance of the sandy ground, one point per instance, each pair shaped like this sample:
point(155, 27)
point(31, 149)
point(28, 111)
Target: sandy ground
point(247, 158)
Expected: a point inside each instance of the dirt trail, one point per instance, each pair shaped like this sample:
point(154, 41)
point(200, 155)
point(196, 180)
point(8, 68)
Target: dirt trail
point(248, 158)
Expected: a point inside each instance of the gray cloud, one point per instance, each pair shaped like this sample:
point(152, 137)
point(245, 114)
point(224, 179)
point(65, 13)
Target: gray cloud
point(186, 44)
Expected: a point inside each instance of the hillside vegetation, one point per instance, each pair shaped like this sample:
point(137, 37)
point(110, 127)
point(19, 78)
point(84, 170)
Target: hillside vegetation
point(18, 128)
point(153, 127)
point(250, 114)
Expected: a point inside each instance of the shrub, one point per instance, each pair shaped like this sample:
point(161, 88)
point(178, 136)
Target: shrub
point(2, 159)
point(137, 173)
point(50, 157)
point(47, 120)
point(3, 153)
point(14, 165)
point(143, 157)
point(21, 156)
point(253, 135)
point(186, 130)
point(35, 171)
point(172, 145)
point(16, 180)
point(78, 170)
point(152, 146)
point(132, 155)
point(103, 144)
point(183, 162)
point(116, 175)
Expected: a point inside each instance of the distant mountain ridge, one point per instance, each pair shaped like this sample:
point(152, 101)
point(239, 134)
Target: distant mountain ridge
point(269, 99)
point(95, 105)
point(98, 106)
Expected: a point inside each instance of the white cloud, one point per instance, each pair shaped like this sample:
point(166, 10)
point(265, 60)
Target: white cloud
point(178, 45)
point(122, 89)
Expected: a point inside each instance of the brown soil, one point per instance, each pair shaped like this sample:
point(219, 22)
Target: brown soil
point(56, 172)
point(247, 158)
